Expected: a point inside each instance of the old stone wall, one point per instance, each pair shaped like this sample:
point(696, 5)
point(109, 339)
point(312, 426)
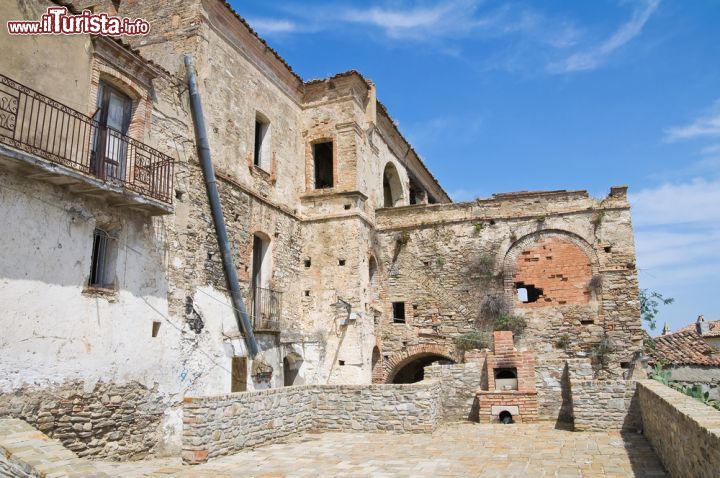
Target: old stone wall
point(553, 387)
point(605, 405)
point(446, 261)
point(684, 432)
point(27, 453)
point(459, 383)
point(224, 424)
point(107, 420)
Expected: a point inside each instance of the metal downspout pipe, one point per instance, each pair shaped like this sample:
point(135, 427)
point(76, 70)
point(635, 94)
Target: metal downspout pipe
point(203, 148)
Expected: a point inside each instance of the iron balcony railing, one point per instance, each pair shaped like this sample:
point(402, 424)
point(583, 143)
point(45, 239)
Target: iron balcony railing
point(265, 309)
point(32, 122)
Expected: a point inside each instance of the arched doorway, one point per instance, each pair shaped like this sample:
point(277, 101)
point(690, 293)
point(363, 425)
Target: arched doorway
point(392, 187)
point(414, 369)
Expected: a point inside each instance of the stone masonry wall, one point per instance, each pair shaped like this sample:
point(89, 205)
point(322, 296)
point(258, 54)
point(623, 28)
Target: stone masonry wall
point(221, 425)
point(446, 261)
point(684, 432)
point(117, 422)
point(600, 405)
point(459, 383)
point(553, 385)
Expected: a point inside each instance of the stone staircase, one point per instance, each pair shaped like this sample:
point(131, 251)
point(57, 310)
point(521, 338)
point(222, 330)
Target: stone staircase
point(27, 452)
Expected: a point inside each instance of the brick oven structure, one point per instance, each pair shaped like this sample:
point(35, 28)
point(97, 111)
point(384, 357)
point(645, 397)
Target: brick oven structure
point(511, 383)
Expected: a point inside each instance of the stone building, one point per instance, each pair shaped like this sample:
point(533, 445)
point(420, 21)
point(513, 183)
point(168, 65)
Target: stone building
point(356, 265)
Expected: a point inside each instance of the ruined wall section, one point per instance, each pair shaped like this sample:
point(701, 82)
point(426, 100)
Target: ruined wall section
point(444, 260)
point(337, 253)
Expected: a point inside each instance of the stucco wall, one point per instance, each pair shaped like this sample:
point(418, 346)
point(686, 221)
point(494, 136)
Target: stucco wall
point(38, 61)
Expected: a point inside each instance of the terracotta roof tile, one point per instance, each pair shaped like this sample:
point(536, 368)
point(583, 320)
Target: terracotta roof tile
point(685, 347)
point(713, 328)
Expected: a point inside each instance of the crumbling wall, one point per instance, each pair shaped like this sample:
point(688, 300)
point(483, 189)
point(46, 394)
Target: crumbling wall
point(456, 267)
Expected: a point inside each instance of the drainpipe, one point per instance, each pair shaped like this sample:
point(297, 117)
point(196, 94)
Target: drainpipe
point(203, 148)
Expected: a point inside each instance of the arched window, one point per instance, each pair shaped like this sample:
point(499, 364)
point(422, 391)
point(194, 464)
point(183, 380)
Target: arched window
point(392, 187)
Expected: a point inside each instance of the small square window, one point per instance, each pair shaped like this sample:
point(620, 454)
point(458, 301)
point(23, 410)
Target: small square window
point(308, 262)
point(341, 262)
point(398, 312)
point(307, 293)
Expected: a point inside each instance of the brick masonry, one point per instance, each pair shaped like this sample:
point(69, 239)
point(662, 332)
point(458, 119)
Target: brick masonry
point(684, 432)
point(559, 268)
point(225, 424)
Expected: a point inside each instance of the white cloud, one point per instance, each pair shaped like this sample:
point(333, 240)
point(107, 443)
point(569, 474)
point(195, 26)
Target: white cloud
point(706, 126)
point(596, 56)
point(697, 201)
point(712, 149)
point(268, 26)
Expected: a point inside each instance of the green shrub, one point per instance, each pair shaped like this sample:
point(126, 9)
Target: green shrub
point(471, 340)
point(563, 342)
point(403, 238)
point(513, 323)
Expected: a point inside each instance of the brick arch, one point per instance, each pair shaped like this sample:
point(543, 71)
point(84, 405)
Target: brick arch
point(576, 263)
point(399, 359)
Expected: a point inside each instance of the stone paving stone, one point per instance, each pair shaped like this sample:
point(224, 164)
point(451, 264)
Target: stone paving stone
point(485, 450)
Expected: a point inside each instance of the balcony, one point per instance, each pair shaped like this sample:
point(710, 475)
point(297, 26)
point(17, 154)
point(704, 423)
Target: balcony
point(265, 309)
point(49, 141)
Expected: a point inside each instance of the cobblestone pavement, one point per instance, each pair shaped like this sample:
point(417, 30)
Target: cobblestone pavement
point(455, 450)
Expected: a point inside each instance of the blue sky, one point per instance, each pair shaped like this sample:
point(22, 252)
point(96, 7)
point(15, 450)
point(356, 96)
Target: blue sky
point(501, 96)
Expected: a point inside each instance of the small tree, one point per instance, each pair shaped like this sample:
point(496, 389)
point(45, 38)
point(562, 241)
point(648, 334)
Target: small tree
point(650, 302)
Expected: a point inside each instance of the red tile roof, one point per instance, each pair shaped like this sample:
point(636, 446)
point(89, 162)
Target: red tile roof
point(685, 347)
point(713, 328)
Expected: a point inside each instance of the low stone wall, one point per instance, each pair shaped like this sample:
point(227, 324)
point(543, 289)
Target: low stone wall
point(600, 405)
point(117, 422)
point(684, 432)
point(26, 453)
point(224, 424)
point(552, 380)
point(459, 384)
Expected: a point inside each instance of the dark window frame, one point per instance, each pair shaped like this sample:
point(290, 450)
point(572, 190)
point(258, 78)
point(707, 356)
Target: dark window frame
point(323, 153)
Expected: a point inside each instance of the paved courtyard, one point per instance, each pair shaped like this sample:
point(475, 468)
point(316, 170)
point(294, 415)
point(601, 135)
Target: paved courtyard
point(455, 450)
